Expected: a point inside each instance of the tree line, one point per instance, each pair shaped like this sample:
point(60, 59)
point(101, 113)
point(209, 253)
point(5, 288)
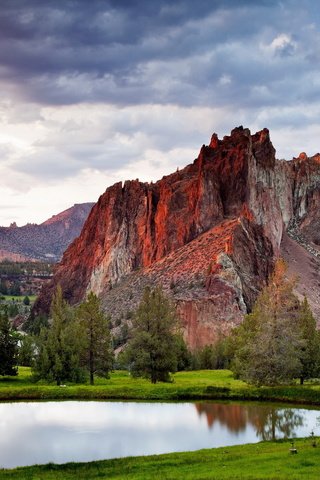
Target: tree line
point(276, 343)
point(76, 343)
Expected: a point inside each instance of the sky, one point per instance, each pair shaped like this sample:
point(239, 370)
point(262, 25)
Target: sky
point(100, 91)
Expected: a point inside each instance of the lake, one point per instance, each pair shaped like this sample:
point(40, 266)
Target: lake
point(59, 432)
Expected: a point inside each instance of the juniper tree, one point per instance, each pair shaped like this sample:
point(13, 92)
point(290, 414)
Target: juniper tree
point(269, 342)
point(97, 354)
point(59, 345)
point(153, 347)
point(310, 349)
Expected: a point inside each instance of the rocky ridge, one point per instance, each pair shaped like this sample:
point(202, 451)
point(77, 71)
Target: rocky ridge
point(208, 233)
point(47, 241)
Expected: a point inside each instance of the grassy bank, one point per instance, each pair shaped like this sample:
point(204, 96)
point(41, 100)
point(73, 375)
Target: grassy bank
point(267, 460)
point(205, 384)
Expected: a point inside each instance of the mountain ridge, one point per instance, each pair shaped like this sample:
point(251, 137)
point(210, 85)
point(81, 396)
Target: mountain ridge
point(236, 198)
point(46, 241)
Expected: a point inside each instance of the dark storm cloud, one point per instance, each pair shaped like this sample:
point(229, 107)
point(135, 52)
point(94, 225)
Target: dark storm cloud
point(133, 52)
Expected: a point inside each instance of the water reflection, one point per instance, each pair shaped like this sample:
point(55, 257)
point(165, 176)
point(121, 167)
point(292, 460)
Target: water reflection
point(234, 417)
point(272, 423)
point(83, 431)
point(268, 422)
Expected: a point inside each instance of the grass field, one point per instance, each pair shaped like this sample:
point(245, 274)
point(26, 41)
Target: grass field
point(195, 385)
point(266, 460)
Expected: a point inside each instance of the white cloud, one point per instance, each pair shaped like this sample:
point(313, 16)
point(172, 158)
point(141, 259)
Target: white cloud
point(283, 44)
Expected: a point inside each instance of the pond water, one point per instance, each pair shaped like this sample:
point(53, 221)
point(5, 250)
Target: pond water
point(59, 432)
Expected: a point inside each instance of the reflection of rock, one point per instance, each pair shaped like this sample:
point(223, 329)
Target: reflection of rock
point(269, 422)
point(234, 417)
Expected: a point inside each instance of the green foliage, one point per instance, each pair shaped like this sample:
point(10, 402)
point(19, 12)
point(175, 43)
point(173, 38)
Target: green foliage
point(273, 345)
point(12, 269)
point(96, 350)
point(184, 356)
point(8, 346)
point(310, 349)
point(13, 309)
point(26, 350)
point(213, 357)
point(59, 346)
point(153, 348)
point(33, 326)
point(26, 300)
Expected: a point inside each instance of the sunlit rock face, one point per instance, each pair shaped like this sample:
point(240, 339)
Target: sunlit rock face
point(208, 234)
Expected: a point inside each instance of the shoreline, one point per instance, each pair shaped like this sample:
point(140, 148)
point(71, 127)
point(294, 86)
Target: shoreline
point(264, 460)
point(186, 386)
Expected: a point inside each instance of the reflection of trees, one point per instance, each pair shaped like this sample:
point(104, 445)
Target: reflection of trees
point(269, 422)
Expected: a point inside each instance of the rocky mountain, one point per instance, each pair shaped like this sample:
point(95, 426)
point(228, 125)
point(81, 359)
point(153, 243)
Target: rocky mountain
point(209, 234)
point(46, 241)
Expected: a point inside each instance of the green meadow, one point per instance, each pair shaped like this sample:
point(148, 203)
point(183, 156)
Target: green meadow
point(194, 385)
point(266, 460)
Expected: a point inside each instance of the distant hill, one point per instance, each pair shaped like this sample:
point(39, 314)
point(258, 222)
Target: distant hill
point(46, 241)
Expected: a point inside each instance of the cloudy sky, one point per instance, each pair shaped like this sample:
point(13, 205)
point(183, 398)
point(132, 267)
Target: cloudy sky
point(93, 92)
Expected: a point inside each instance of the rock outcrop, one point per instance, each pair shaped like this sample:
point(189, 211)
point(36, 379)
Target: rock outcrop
point(208, 234)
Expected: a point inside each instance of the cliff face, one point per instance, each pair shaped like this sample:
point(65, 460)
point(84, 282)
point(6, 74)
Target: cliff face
point(207, 233)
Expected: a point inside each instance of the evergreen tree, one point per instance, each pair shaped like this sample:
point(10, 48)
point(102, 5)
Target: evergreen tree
point(33, 326)
point(13, 309)
point(268, 343)
point(26, 300)
point(310, 350)
point(8, 346)
point(26, 350)
point(97, 353)
point(152, 350)
point(59, 346)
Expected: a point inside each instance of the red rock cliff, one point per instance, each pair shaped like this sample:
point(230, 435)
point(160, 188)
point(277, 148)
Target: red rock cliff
point(207, 233)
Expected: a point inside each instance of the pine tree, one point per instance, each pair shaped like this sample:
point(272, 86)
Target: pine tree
point(26, 350)
point(8, 347)
point(268, 343)
point(153, 348)
point(59, 346)
point(97, 353)
point(310, 350)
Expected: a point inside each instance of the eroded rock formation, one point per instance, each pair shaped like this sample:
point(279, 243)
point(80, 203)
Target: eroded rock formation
point(208, 234)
